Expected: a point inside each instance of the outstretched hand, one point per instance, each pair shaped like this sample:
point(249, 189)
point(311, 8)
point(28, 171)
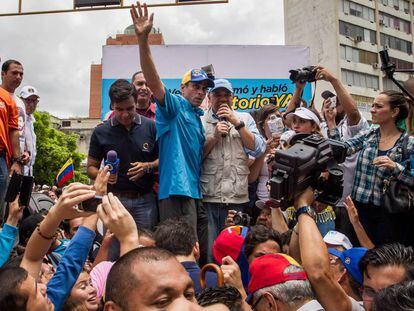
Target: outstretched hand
point(142, 23)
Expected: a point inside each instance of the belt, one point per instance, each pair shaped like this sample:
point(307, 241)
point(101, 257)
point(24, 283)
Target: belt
point(129, 194)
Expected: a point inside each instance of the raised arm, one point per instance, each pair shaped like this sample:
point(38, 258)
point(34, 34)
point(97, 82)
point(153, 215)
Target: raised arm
point(143, 25)
point(296, 98)
point(344, 97)
point(120, 222)
point(315, 260)
point(361, 234)
point(41, 239)
point(9, 231)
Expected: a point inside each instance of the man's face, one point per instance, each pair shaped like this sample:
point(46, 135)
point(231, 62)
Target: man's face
point(143, 91)
point(13, 77)
point(377, 278)
point(162, 286)
point(265, 217)
point(220, 97)
point(74, 225)
point(125, 111)
point(37, 298)
point(31, 103)
point(194, 92)
point(268, 247)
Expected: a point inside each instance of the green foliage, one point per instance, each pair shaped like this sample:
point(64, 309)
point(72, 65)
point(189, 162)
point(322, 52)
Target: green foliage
point(54, 148)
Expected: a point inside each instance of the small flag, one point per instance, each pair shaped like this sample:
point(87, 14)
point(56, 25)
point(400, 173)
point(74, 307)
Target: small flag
point(66, 173)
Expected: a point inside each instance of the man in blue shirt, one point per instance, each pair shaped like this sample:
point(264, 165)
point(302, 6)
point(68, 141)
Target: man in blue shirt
point(180, 133)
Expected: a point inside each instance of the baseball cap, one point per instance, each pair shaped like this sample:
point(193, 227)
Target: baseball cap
point(28, 91)
point(327, 94)
point(269, 270)
point(222, 83)
point(229, 243)
point(197, 75)
point(350, 258)
point(337, 238)
point(270, 203)
point(304, 113)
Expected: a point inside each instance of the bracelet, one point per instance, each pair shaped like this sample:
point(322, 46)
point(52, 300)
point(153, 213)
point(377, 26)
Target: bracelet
point(42, 235)
point(149, 168)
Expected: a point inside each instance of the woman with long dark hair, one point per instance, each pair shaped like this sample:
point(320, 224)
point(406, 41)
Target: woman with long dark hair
point(380, 159)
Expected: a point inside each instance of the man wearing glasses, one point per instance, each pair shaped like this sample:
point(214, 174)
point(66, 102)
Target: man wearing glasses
point(30, 98)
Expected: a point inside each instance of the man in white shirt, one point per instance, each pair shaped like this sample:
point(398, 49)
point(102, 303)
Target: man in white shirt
point(30, 97)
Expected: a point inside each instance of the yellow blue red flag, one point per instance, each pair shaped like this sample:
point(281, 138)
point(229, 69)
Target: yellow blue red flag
point(66, 173)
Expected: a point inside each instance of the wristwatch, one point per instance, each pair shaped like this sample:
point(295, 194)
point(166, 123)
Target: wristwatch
point(305, 210)
point(240, 126)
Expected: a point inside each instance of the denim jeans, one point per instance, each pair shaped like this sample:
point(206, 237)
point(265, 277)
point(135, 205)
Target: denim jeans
point(217, 214)
point(3, 185)
point(144, 211)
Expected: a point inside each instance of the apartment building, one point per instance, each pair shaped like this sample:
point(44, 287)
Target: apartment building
point(345, 36)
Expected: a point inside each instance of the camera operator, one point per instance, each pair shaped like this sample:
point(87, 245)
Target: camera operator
point(348, 121)
point(230, 137)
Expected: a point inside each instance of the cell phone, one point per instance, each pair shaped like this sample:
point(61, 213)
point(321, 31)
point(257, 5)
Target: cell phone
point(91, 205)
point(333, 103)
point(14, 187)
point(26, 189)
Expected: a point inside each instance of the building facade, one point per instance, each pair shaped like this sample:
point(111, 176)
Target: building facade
point(346, 36)
point(127, 38)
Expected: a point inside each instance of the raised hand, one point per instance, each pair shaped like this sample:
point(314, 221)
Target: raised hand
point(73, 195)
point(116, 218)
point(101, 181)
point(142, 23)
point(352, 211)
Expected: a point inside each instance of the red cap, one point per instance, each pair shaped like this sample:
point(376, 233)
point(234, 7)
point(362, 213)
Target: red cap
point(268, 270)
point(228, 243)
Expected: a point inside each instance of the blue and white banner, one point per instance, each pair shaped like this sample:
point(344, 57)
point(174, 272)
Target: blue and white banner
point(256, 72)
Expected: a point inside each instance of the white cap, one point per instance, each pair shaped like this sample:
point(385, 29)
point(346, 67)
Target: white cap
point(45, 187)
point(28, 91)
point(337, 238)
point(304, 113)
point(270, 203)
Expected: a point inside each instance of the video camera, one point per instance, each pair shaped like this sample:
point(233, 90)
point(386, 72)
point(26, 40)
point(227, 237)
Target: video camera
point(306, 74)
point(301, 166)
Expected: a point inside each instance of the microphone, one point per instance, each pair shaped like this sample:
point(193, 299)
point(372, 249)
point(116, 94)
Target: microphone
point(112, 161)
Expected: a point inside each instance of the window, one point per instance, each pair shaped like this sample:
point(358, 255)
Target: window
point(401, 64)
point(356, 55)
point(358, 10)
point(359, 79)
point(396, 43)
point(66, 123)
point(354, 31)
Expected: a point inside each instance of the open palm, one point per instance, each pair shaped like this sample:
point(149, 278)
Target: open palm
point(140, 19)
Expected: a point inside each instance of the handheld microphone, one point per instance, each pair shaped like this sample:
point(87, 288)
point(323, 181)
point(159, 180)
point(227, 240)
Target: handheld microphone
point(112, 161)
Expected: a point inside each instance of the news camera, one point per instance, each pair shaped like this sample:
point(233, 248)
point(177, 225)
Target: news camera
point(306, 74)
point(301, 166)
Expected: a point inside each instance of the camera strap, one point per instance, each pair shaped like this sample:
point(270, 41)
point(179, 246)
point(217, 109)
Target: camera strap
point(312, 102)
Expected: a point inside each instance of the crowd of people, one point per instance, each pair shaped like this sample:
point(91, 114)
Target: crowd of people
point(184, 218)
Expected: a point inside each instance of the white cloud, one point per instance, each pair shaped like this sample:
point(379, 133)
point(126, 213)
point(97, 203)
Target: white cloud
point(58, 49)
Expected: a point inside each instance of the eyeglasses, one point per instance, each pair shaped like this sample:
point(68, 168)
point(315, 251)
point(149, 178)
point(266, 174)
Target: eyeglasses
point(254, 306)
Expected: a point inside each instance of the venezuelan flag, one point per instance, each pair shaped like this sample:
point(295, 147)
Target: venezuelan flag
point(66, 173)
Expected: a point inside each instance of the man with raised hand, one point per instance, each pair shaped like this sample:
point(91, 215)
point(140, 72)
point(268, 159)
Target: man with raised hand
point(179, 130)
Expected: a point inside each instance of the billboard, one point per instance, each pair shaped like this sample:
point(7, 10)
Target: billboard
point(256, 72)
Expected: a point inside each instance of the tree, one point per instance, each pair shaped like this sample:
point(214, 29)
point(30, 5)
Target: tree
point(54, 148)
